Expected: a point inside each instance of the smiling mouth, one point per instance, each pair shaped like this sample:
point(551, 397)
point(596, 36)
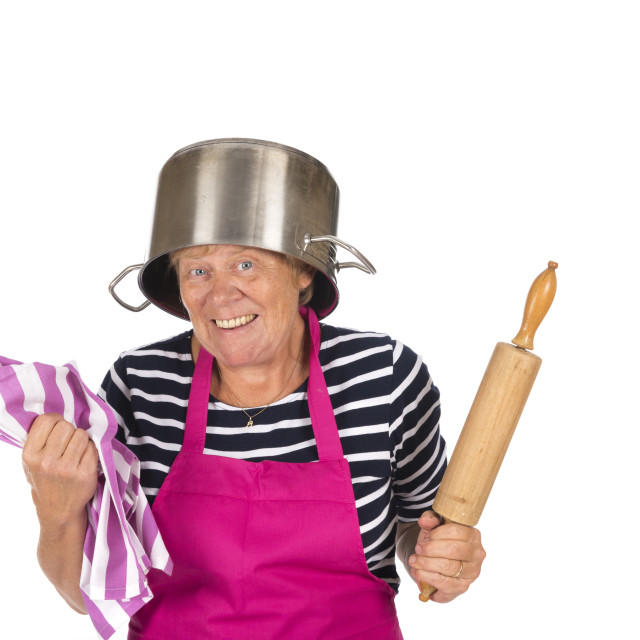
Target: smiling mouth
point(235, 322)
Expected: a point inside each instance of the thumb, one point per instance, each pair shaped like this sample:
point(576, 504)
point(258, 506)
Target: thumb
point(428, 521)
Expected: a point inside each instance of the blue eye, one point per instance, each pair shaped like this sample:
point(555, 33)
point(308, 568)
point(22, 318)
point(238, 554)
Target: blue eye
point(246, 264)
point(197, 272)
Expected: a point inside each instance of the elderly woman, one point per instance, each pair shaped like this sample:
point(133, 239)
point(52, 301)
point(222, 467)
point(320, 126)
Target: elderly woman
point(287, 461)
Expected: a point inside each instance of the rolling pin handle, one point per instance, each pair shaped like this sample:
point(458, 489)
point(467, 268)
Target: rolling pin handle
point(426, 589)
point(539, 300)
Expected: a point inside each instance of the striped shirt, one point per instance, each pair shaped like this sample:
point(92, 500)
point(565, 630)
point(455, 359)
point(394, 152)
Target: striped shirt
point(122, 540)
point(387, 411)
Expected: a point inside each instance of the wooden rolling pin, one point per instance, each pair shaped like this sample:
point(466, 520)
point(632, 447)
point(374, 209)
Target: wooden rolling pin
point(493, 417)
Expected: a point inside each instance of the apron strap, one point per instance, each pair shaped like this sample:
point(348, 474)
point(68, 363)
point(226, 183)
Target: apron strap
point(323, 419)
point(195, 428)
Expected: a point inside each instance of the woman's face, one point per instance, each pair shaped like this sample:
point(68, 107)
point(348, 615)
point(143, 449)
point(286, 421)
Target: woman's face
point(242, 302)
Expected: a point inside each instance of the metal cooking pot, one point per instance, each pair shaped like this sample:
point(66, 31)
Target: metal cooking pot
point(245, 192)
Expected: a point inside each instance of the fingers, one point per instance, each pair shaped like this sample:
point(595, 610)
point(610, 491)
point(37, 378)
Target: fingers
point(452, 531)
point(52, 436)
point(40, 430)
point(453, 541)
point(449, 558)
point(89, 457)
point(78, 447)
point(443, 566)
point(446, 588)
point(450, 578)
point(61, 464)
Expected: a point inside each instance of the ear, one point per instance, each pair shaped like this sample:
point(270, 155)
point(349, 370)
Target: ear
point(306, 276)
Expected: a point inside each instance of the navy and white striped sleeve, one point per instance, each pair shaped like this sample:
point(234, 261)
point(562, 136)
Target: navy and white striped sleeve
point(418, 451)
point(116, 393)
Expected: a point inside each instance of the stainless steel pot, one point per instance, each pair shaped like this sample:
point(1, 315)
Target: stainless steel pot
point(245, 192)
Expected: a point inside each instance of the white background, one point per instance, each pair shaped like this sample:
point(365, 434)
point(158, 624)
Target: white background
point(472, 141)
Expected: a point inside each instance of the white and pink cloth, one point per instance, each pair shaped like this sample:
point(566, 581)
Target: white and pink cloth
point(123, 541)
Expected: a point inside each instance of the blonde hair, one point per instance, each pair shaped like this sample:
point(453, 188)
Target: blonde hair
point(297, 266)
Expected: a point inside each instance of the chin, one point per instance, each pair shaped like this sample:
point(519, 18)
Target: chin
point(231, 358)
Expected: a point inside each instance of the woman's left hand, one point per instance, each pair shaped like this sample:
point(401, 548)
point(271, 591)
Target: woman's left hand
point(447, 556)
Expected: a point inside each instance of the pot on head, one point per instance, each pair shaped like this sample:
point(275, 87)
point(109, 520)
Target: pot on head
point(245, 192)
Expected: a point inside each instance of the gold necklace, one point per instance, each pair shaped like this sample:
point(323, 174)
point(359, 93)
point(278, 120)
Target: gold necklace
point(235, 400)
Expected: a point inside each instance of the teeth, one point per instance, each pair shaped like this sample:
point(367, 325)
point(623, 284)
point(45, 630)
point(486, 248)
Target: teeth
point(235, 322)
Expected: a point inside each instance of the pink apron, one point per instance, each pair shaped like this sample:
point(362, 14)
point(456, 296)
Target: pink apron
point(267, 550)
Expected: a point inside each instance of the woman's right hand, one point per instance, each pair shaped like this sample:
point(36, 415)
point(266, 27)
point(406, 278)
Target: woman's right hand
point(61, 465)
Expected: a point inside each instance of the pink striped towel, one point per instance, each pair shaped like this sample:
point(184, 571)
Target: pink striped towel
point(123, 541)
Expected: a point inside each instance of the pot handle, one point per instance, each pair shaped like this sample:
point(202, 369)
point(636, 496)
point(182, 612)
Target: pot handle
point(363, 265)
point(117, 298)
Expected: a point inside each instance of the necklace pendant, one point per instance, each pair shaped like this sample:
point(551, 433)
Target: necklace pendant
point(250, 423)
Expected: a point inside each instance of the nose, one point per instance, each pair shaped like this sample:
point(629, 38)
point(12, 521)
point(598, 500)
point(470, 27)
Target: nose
point(223, 289)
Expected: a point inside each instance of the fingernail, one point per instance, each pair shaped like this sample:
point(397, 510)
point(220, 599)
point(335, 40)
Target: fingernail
point(418, 549)
point(412, 560)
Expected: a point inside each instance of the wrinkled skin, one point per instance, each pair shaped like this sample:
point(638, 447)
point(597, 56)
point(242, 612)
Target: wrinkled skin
point(438, 553)
point(61, 465)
